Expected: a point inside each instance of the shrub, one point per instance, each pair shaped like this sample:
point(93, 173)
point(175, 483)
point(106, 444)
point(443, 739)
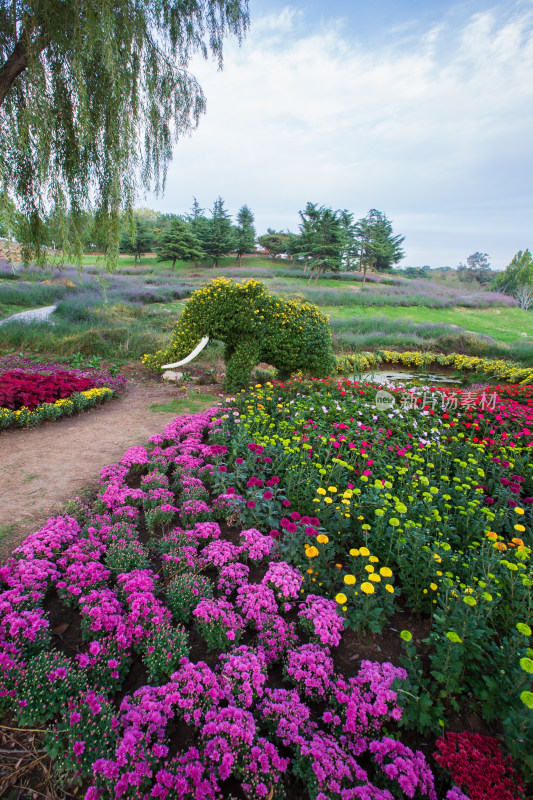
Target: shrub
point(255, 326)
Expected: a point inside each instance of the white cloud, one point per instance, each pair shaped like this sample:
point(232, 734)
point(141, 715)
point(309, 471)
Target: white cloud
point(433, 133)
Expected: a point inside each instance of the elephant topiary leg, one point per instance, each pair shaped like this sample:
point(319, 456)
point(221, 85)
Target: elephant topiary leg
point(240, 361)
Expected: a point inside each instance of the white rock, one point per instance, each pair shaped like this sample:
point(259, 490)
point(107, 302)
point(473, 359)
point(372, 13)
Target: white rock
point(170, 375)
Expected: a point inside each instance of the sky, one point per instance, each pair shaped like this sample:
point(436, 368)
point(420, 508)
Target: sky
point(421, 109)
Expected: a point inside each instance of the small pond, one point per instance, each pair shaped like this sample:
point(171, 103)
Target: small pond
point(384, 376)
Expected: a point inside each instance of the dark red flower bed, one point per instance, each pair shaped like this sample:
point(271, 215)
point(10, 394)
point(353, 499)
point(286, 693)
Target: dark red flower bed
point(30, 389)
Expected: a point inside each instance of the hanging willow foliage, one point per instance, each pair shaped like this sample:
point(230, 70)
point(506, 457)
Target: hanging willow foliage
point(92, 95)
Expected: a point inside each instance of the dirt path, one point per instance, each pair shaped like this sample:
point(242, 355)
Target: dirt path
point(42, 467)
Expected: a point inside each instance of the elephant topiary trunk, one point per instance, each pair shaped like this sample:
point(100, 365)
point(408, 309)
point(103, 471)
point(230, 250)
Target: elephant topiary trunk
point(255, 327)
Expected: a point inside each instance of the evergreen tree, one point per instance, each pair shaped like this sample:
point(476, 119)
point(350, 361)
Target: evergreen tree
point(141, 242)
point(244, 233)
point(196, 213)
point(323, 239)
point(276, 242)
point(100, 90)
point(217, 238)
point(178, 242)
point(350, 250)
point(519, 272)
point(377, 248)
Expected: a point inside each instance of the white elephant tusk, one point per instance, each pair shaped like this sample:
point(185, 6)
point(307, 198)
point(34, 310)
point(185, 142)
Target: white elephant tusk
point(190, 357)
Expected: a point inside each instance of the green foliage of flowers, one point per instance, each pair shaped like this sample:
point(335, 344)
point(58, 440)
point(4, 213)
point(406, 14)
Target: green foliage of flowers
point(124, 555)
point(255, 326)
point(48, 682)
point(163, 649)
point(184, 593)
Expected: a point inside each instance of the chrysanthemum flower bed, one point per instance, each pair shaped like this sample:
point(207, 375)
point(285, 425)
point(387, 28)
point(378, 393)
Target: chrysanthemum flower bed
point(213, 597)
point(31, 393)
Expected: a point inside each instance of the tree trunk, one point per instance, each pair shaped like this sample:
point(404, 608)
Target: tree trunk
point(19, 60)
point(173, 264)
point(364, 275)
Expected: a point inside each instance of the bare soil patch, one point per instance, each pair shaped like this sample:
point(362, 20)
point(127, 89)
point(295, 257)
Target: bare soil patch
point(42, 467)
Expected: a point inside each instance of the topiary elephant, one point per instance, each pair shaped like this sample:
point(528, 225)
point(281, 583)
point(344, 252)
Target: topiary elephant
point(255, 326)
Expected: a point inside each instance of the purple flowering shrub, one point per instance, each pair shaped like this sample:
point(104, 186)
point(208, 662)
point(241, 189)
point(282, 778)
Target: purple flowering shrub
point(403, 769)
point(205, 530)
point(219, 553)
point(186, 777)
point(285, 716)
point(319, 618)
point(192, 511)
point(180, 560)
point(286, 581)
point(256, 546)
point(310, 667)
point(185, 592)
point(231, 744)
point(49, 679)
point(231, 576)
point(23, 631)
point(254, 601)
point(195, 689)
point(274, 637)
point(218, 623)
point(225, 505)
point(79, 577)
point(105, 664)
point(363, 704)
point(101, 612)
point(243, 674)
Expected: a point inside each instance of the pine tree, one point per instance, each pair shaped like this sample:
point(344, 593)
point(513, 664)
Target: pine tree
point(244, 233)
point(377, 248)
point(217, 238)
point(178, 242)
point(140, 243)
point(322, 239)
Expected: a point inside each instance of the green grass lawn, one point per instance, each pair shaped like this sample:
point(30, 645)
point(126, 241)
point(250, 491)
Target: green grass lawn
point(149, 263)
point(503, 324)
point(190, 404)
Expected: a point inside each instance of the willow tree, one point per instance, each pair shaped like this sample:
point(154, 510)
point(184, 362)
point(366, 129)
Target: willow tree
point(92, 95)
